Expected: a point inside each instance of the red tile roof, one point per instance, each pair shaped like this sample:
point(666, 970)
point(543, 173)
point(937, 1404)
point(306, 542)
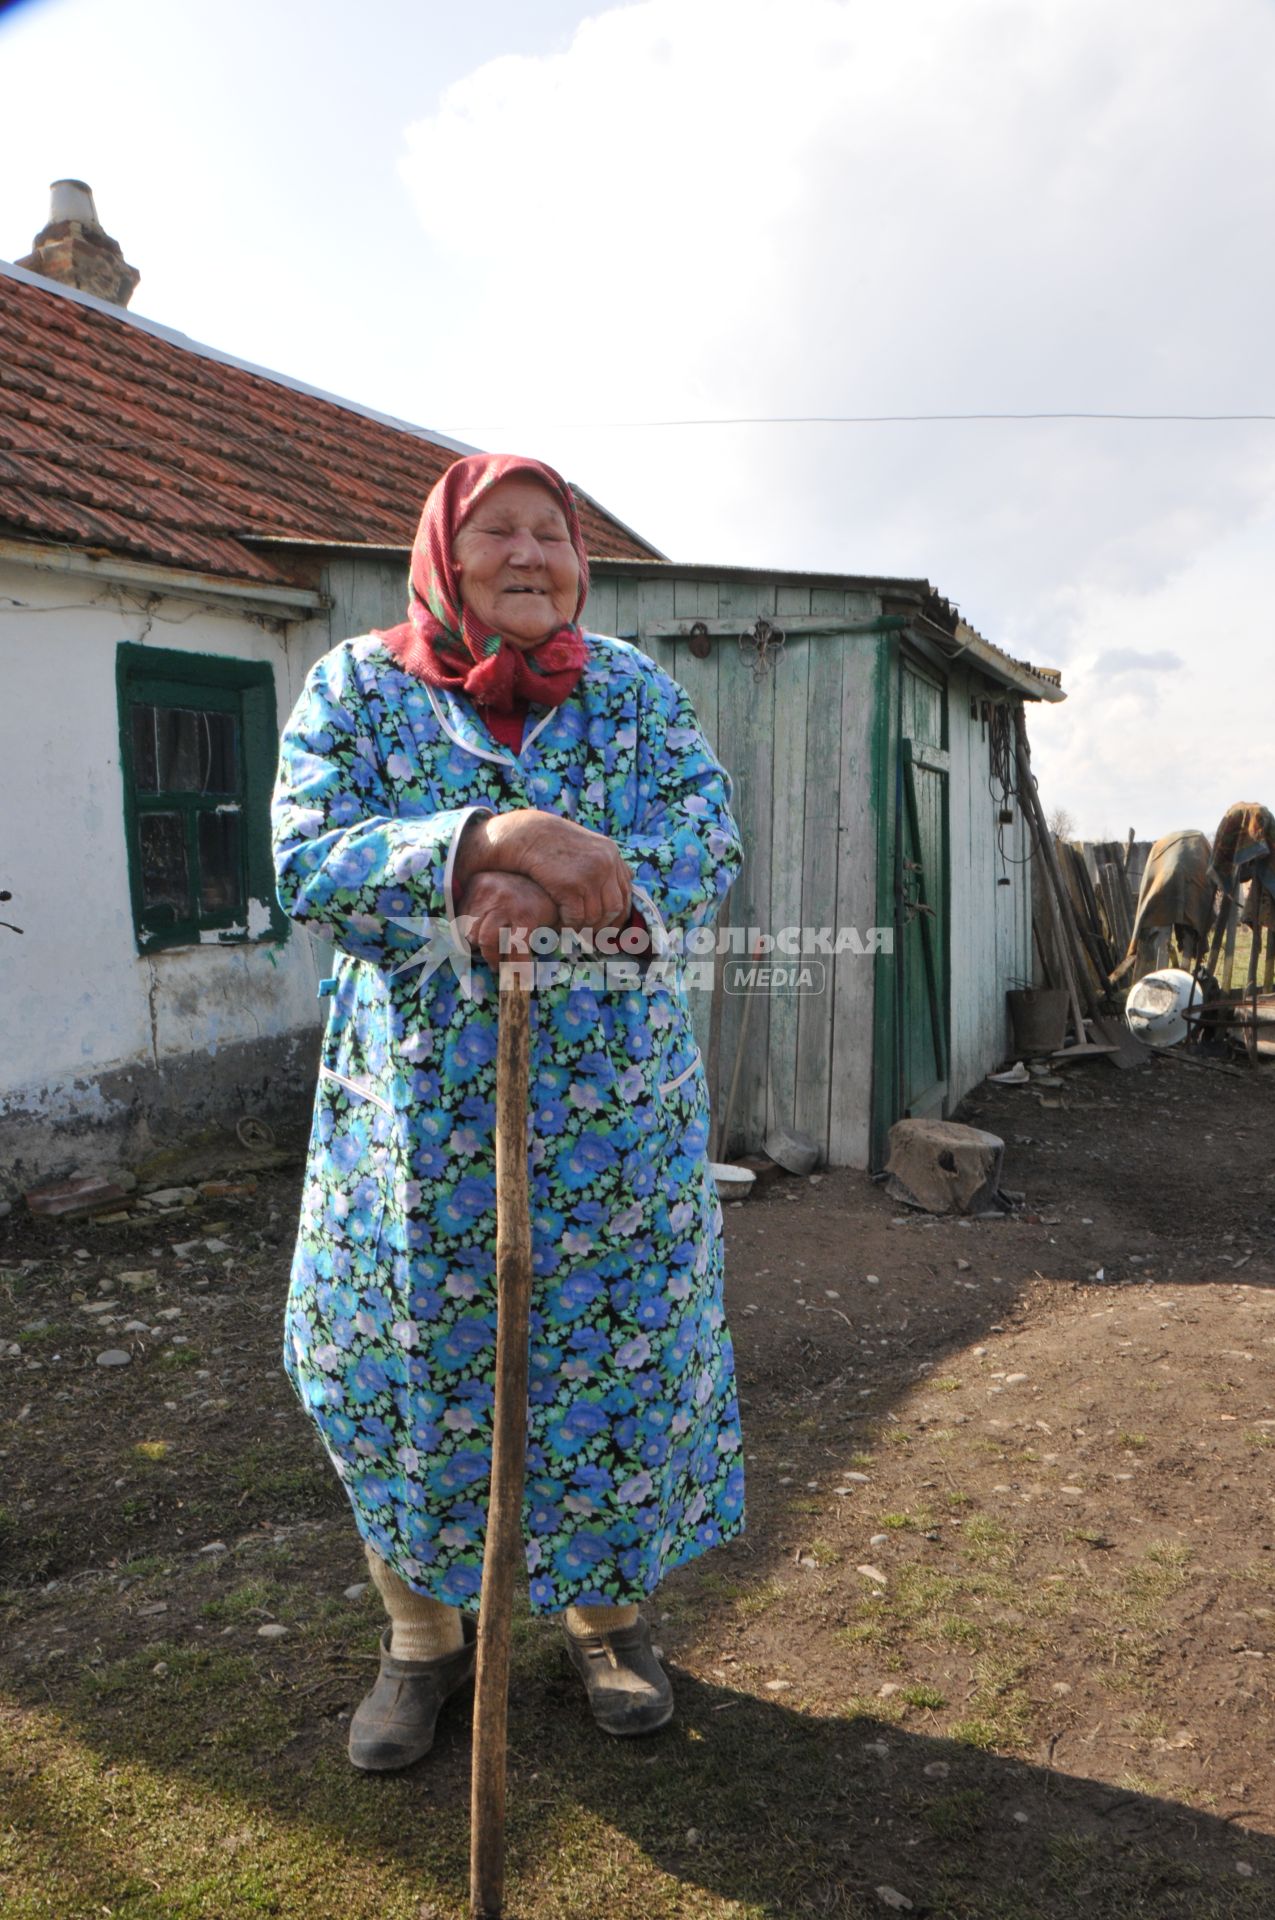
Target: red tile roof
point(116, 433)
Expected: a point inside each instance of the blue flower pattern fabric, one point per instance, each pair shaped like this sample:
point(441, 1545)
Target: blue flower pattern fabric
point(634, 1463)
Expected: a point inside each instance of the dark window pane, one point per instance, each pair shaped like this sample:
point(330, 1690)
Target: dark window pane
point(145, 767)
point(184, 750)
point(219, 863)
point(164, 873)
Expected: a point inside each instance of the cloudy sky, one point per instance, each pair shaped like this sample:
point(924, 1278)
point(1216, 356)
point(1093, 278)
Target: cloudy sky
point(534, 224)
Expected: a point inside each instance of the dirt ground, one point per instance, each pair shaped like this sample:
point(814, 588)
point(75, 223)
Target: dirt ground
point(997, 1645)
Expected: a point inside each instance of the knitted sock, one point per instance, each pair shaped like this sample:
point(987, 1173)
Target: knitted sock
point(420, 1628)
point(582, 1620)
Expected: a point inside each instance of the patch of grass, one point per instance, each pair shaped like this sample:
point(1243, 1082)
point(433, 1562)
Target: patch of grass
point(1001, 1705)
point(921, 1695)
point(761, 1599)
point(178, 1359)
point(948, 1386)
point(960, 1632)
point(1136, 1442)
point(974, 1733)
point(988, 1542)
point(1162, 1572)
point(283, 1478)
point(153, 1450)
point(242, 1603)
point(958, 1815)
point(868, 1632)
point(51, 1335)
point(905, 1522)
point(144, 1565)
point(1260, 1437)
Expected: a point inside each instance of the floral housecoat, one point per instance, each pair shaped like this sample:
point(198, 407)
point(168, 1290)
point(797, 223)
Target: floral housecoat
point(634, 1462)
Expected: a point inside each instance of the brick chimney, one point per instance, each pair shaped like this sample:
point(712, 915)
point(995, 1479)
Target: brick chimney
point(73, 248)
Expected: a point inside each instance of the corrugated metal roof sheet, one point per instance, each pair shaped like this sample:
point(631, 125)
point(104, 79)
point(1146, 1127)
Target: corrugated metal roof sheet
point(117, 433)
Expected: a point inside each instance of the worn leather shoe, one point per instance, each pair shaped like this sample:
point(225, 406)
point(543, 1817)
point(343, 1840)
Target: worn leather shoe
point(394, 1724)
point(628, 1689)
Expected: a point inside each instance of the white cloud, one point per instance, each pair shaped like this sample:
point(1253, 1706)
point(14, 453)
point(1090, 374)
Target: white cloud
point(722, 207)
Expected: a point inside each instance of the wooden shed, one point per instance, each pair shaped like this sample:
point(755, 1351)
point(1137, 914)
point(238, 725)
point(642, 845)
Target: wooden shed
point(864, 740)
point(865, 726)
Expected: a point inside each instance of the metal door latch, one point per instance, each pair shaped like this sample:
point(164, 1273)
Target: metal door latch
point(766, 643)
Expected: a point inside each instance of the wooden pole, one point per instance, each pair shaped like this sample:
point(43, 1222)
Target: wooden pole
point(502, 1552)
point(1054, 893)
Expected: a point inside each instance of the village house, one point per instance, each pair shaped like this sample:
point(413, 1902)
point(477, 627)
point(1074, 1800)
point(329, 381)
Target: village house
point(182, 535)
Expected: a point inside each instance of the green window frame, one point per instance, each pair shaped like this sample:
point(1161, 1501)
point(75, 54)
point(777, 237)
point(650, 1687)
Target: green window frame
point(199, 739)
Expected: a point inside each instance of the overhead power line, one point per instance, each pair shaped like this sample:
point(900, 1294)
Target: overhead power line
point(893, 419)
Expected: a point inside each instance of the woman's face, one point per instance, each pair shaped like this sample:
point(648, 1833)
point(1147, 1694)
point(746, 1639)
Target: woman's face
point(518, 570)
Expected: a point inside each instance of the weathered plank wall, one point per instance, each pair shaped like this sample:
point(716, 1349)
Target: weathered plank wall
point(365, 594)
point(990, 924)
point(798, 744)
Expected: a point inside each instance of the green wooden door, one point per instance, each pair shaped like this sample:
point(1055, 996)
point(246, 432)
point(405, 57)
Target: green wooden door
point(921, 895)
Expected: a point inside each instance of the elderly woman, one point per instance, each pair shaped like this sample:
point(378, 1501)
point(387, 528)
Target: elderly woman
point(482, 769)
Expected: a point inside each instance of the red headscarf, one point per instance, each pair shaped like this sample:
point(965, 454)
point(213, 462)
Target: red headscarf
point(441, 642)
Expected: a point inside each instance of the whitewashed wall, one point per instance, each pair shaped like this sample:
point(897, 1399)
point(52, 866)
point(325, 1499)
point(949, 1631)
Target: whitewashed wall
point(76, 997)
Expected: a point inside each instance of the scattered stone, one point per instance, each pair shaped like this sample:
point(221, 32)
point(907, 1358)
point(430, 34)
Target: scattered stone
point(884, 1692)
point(169, 1313)
point(114, 1357)
point(962, 1266)
point(937, 1770)
point(139, 1277)
point(155, 1606)
point(6, 1208)
point(873, 1279)
point(778, 1686)
point(859, 1478)
point(879, 1540)
point(877, 1748)
point(159, 1669)
point(1016, 1379)
point(186, 1249)
point(214, 1546)
point(874, 1574)
point(217, 1246)
point(693, 1836)
point(891, 1897)
point(1020, 1817)
point(99, 1306)
point(357, 1591)
point(273, 1630)
point(164, 1199)
point(136, 1326)
point(1244, 1870)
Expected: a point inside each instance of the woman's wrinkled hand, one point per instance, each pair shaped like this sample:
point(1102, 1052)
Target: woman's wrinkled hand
point(498, 910)
point(583, 873)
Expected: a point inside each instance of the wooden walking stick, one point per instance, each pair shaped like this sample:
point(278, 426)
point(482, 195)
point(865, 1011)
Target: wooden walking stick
point(502, 1553)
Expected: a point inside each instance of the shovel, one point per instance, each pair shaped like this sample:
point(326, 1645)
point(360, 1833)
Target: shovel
point(503, 1550)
